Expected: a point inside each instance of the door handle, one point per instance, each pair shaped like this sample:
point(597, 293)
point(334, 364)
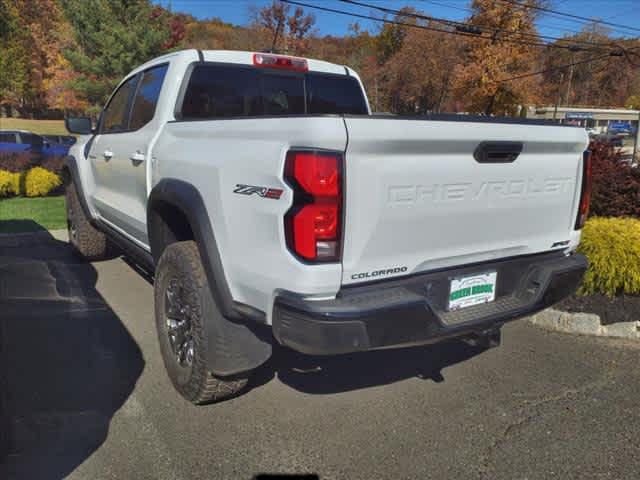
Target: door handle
point(497, 152)
point(137, 158)
point(107, 154)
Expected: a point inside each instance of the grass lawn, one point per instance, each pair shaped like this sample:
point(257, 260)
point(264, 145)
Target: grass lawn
point(43, 127)
point(32, 214)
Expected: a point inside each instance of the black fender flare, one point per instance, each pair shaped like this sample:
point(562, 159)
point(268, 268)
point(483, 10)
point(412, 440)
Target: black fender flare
point(70, 174)
point(244, 346)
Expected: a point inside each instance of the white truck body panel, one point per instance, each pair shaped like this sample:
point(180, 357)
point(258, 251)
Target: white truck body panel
point(250, 230)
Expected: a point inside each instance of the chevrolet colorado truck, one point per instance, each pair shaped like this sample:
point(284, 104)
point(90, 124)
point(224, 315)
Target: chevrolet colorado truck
point(271, 206)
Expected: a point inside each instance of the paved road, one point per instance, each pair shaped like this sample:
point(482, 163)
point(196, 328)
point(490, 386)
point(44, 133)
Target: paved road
point(90, 398)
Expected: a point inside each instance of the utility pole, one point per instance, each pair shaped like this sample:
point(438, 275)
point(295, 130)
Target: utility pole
point(635, 144)
point(569, 82)
point(555, 110)
point(275, 36)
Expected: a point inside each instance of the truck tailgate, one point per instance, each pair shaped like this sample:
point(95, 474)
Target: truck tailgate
point(417, 199)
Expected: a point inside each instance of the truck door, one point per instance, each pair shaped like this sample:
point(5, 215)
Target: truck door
point(119, 153)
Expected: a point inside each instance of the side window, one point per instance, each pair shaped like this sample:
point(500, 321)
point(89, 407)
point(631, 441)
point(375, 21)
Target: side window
point(144, 105)
point(218, 91)
point(115, 117)
point(334, 94)
point(7, 138)
point(31, 139)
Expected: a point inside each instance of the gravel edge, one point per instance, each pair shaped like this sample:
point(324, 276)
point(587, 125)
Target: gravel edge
point(584, 324)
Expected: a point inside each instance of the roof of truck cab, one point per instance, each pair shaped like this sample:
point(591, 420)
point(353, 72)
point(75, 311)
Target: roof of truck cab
point(241, 58)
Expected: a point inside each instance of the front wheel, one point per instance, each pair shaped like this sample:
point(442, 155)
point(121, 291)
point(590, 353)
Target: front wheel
point(89, 242)
point(183, 302)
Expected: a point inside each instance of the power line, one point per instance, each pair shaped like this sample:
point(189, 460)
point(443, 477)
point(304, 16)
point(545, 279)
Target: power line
point(548, 25)
point(433, 29)
point(620, 53)
point(457, 24)
point(570, 15)
point(567, 65)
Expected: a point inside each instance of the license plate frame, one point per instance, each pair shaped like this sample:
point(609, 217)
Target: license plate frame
point(470, 290)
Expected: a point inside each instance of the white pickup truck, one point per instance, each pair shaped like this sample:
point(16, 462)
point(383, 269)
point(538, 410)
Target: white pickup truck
point(271, 206)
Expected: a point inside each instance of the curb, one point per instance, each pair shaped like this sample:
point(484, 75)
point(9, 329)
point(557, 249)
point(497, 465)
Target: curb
point(584, 324)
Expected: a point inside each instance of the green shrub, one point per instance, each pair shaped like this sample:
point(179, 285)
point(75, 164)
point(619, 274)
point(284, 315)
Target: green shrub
point(9, 183)
point(39, 182)
point(612, 246)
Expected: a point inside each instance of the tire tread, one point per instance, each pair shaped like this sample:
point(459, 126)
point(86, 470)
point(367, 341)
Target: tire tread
point(203, 386)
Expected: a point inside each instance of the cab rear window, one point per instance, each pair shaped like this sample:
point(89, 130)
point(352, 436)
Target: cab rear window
point(221, 91)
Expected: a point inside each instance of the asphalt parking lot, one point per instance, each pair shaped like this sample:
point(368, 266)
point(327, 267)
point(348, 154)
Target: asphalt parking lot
point(89, 398)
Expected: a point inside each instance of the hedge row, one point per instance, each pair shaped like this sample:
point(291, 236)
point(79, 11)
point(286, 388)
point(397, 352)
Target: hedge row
point(25, 174)
point(35, 182)
point(612, 246)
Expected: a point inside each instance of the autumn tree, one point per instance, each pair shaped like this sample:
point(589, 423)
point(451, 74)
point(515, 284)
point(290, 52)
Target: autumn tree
point(35, 36)
point(288, 32)
point(59, 74)
point(379, 73)
point(13, 56)
point(574, 78)
point(481, 80)
point(418, 76)
point(216, 34)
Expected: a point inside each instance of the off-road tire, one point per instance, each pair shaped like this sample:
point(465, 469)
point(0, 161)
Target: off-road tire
point(89, 242)
point(180, 263)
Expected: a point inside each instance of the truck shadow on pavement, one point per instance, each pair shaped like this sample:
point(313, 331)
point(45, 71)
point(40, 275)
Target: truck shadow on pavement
point(69, 362)
point(343, 373)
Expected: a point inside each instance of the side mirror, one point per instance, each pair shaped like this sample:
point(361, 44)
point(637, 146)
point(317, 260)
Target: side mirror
point(79, 125)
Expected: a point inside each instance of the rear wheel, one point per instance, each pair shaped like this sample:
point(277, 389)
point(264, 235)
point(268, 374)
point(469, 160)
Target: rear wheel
point(84, 237)
point(183, 302)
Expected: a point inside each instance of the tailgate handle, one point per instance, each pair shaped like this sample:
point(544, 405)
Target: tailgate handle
point(497, 152)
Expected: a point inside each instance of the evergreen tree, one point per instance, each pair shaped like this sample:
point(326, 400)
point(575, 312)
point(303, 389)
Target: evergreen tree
point(114, 36)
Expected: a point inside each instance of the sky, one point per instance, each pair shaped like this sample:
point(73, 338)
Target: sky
point(624, 12)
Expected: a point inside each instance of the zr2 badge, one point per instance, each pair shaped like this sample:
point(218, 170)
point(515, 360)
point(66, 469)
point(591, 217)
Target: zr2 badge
point(264, 192)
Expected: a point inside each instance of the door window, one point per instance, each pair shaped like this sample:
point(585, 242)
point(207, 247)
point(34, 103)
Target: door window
point(144, 105)
point(31, 139)
point(7, 138)
point(116, 115)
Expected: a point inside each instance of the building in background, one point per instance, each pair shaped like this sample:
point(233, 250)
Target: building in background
point(598, 120)
point(618, 123)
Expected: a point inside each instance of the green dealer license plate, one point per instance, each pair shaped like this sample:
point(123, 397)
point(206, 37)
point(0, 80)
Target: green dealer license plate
point(472, 290)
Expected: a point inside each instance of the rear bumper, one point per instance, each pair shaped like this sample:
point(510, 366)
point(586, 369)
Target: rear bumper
point(413, 311)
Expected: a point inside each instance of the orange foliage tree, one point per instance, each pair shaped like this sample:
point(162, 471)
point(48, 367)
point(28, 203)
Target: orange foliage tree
point(480, 81)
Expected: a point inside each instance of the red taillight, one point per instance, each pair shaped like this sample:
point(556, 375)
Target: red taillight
point(314, 222)
point(279, 61)
point(585, 193)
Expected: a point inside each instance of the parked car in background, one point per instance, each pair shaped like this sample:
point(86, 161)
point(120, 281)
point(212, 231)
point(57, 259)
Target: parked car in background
point(21, 141)
point(61, 139)
point(614, 140)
